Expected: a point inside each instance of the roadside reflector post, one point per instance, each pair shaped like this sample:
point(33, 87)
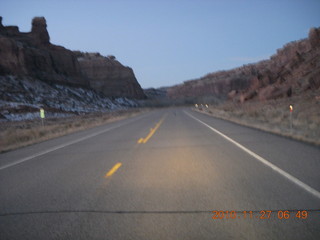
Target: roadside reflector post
point(42, 116)
point(291, 110)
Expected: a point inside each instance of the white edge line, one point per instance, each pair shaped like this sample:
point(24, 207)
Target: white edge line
point(262, 160)
point(65, 145)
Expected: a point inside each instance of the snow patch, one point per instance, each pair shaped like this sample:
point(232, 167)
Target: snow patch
point(20, 99)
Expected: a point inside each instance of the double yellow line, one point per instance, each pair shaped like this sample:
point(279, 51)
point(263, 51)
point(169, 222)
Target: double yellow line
point(152, 131)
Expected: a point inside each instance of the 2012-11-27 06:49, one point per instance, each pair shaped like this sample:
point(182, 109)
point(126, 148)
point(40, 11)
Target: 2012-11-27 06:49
point(263, 214)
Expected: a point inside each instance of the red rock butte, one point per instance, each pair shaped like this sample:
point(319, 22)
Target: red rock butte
point(32, 55)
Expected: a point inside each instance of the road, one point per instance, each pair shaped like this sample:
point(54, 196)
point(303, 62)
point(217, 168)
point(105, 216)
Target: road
point(160, 175)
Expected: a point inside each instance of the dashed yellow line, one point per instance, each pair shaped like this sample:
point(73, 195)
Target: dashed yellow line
point(113, 170)
point(152, 131)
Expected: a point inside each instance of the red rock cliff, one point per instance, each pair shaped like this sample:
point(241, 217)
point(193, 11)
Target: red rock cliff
point(31, 54)
point(109, 76)
point(293, 69)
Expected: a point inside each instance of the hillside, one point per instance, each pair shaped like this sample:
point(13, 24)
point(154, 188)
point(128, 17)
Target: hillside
point(293, 70)
point(37, 72)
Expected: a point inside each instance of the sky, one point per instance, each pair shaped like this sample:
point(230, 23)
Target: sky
point(167, 42)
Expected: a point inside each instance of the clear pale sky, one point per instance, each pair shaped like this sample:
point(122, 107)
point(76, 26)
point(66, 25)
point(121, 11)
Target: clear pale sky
point(167, 42)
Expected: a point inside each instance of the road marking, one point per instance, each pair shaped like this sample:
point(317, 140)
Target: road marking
point(262, 160)
point(113, 170)
point(152, 131)
point(65, 145)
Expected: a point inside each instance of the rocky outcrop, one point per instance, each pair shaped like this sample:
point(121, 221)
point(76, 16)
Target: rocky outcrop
point(314, 37)
point(32, 55)
point(39, 31)
point(156, 93)
point(293, 69)
point(109, 76)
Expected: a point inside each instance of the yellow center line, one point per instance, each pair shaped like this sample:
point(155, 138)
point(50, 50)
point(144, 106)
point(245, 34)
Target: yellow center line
point(152, 131)
point(113, 170)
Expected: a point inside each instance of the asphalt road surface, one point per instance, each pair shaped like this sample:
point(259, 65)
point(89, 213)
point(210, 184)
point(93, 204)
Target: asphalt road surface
point(166, 174)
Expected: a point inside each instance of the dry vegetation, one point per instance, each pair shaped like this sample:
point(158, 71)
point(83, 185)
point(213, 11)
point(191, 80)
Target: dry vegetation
point(274, 116)
point(18, 134)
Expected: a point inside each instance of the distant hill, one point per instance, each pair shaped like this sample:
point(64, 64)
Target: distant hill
point(293, 70)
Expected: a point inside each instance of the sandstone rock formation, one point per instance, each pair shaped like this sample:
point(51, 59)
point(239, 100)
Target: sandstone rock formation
point(32, 55)
point(293, 69)
point(39, 31)
point(109, 76)
point(314, 37)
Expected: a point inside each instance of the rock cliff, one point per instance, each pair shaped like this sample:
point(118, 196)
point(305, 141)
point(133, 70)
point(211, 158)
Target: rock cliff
point(292, 70)
point(32, 55)
point(109, 76)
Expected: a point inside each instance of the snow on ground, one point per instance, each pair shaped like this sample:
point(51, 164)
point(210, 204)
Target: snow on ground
point(21, 99)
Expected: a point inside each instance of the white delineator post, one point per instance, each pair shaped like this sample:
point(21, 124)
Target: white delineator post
point(42, 116)
point(291, 110)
